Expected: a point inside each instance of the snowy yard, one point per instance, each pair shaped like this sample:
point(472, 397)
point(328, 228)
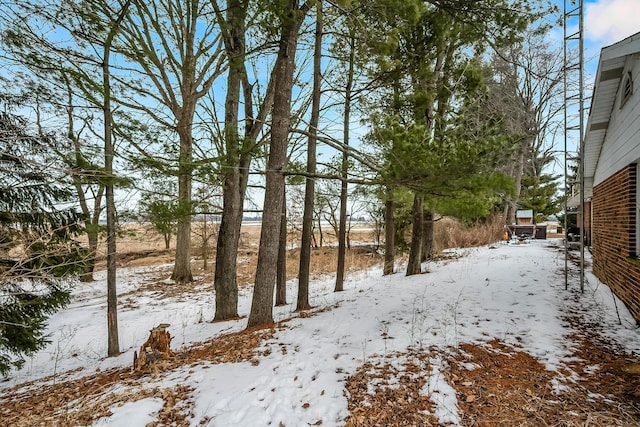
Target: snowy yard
point(496, 299)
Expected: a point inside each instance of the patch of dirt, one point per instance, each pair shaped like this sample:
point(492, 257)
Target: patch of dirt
point(384, 393)
point(500, 385)
point(84, 400)
point(506, 386)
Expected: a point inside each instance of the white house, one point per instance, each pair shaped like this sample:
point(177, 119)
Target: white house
point(611, 159)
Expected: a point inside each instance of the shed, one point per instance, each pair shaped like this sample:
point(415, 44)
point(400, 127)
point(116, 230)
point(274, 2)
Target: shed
point(524, 216)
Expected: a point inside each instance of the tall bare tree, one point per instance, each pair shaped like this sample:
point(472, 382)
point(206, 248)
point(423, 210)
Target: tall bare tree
point(109, 153)
point(52, 96)
point(82, 170)
point(236, 151)
point(291, 18)
point(177, 52)
point(309, 193)
point(527, 92)
point(344, 166)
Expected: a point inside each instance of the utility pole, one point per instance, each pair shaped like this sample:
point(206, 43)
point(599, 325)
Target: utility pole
point(574, 119)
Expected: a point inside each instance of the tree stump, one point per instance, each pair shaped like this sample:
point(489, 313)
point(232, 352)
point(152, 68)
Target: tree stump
point(156, 348)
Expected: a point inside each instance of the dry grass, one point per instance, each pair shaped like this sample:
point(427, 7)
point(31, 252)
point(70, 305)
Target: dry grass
point(140, 245)
point(450, 233)
point(325, 260)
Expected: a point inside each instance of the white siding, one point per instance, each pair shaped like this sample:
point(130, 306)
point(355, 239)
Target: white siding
point(622, 143)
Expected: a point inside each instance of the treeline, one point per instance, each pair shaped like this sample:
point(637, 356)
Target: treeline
point(424, 107)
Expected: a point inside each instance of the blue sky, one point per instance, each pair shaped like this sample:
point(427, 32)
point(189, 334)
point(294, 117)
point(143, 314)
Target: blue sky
point(609, 21)
point(605, 23)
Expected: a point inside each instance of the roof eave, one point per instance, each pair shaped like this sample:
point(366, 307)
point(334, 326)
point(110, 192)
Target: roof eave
point(608, 79)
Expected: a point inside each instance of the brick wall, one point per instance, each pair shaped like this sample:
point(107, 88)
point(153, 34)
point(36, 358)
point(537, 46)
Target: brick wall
point(615, 261)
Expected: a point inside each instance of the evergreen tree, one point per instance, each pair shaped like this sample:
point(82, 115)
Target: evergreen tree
point(539, 194)
point(426, 59)
point(37, 250)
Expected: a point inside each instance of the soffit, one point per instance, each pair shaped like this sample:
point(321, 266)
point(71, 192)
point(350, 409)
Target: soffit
point(607, 82)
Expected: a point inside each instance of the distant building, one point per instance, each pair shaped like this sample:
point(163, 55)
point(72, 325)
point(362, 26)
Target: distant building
point(552, 225)
point(524, 217)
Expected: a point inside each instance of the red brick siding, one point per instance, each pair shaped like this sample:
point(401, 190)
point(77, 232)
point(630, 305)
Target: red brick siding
point(613, 231)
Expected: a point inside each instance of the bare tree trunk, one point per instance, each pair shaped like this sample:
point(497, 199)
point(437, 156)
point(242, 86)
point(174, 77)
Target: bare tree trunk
point(427, 238)
point(233, 194)
point(310, 191)
point(238, 159)
point(92, 227)
point(205, 243)
point(225, 277)
point(415, 257)
point(90, 262)
point(342, 230)
point(262, 303)
point(182, 267)
point(113, 346)
point(281, 276)
point(307, 231)
point(91, 216)
point(389, 234)
point(377, 231)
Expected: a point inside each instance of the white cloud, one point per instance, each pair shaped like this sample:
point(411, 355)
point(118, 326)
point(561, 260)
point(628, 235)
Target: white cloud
point(609, 21)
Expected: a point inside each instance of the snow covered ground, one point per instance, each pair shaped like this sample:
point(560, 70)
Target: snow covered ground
point(514, 293)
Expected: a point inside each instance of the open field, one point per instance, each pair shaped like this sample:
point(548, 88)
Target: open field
point(140, 245)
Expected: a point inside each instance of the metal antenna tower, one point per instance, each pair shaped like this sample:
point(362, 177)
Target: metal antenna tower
point(574, 118)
